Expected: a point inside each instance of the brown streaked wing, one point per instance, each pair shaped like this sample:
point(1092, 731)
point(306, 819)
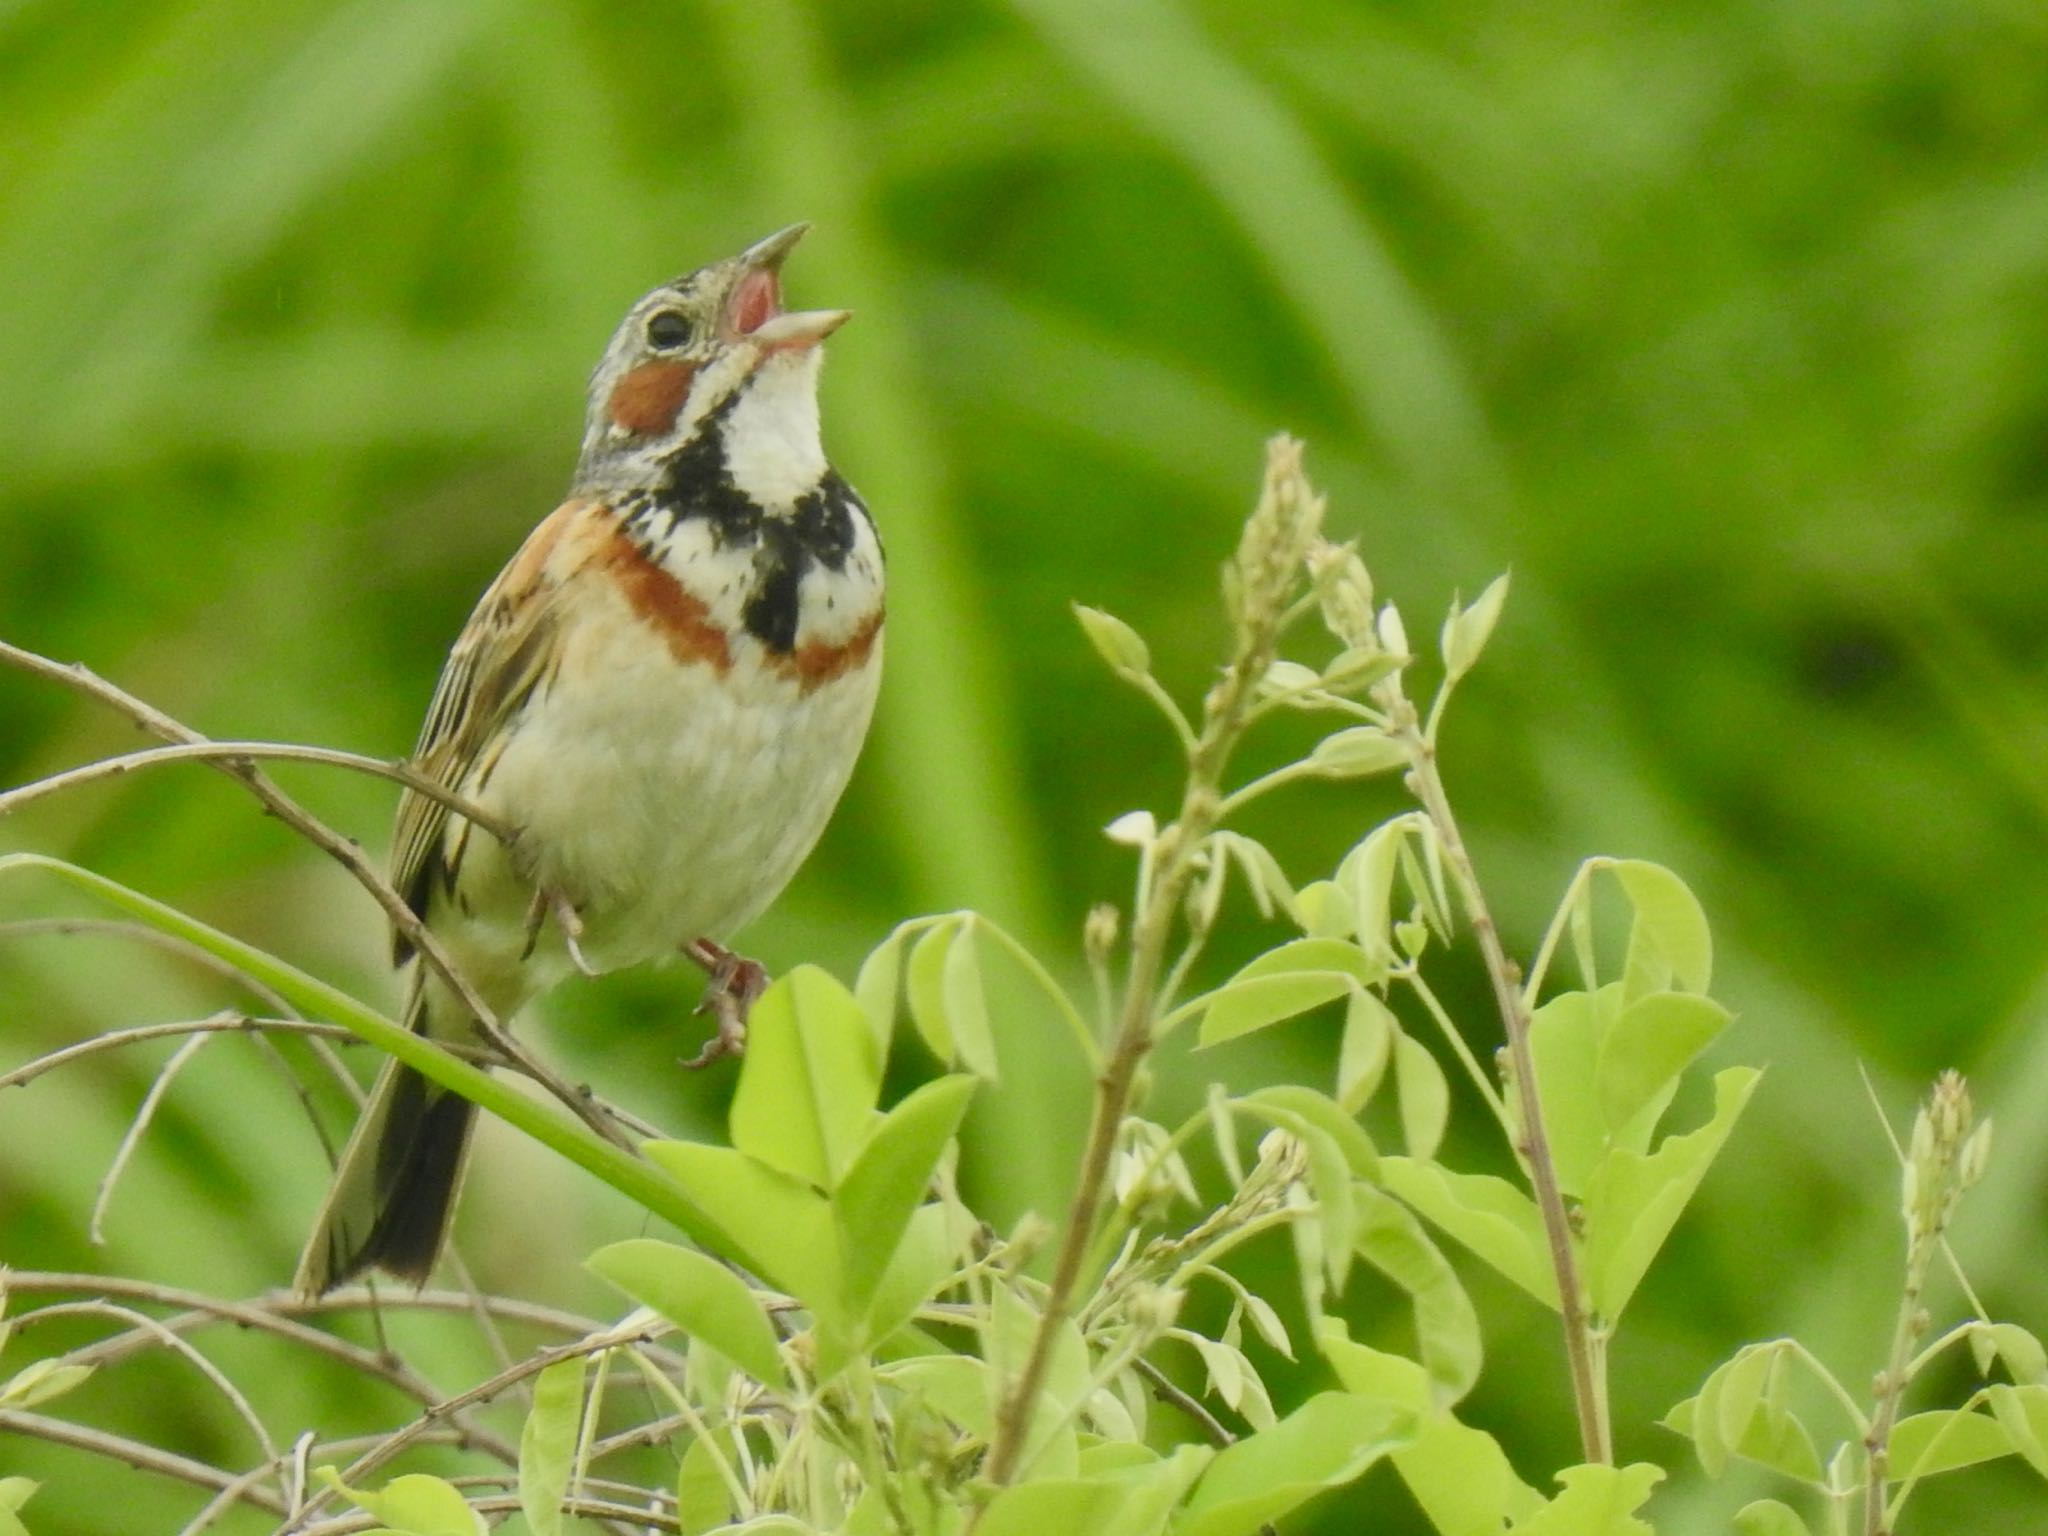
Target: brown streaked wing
point(506, 650)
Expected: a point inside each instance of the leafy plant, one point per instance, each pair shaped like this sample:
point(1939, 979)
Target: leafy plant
point(848, 1346)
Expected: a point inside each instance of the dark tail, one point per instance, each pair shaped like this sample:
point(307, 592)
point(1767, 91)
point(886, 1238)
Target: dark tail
point(395, 1188)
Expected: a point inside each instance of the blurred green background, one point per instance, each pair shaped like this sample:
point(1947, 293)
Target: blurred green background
point(1721, 323)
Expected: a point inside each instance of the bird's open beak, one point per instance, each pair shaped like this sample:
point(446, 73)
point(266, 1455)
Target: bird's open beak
point(755, 309)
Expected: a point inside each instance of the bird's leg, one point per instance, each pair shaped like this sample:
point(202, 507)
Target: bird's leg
point(729, 995)
point(553, 903)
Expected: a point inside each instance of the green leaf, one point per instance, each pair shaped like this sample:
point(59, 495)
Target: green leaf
point(890, 1178)
point(1634, 1201)
point(1596, 1501)
point(967, 1003)
point(14, 1492)
point(1115, 642)
point(1324, 910)
point(1643, 1052)
point(1466, 630)
point(1463, 1479)
point(704, 1499)
point(780, 1227)
point(1325, 1443)
point(1669, 940)
point(41, 1380)
point(809, 1079)
point(957, 1386)
point(1357, 752)
point(1131, 1500)
point(2018, 1348)
point(1564, 1040)
point(1366, 877)
point(1488, 1215)
point(877, 985)
point(1375, 1373)
point(1924, 1444)
point(924, 986)
point(2022, 1412)
point(1425, 1096)
point(1446, 1325)
point(924, 1261)
point(1741, 1410)
point(1281, 983)
point(547, 1444)
point(1368, 1045)
point(415, 1504)
point(1768, 1517)
point(700, 1296)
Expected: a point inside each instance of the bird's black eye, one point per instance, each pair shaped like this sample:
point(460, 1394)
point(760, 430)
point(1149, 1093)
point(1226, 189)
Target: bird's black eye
point(668, 329)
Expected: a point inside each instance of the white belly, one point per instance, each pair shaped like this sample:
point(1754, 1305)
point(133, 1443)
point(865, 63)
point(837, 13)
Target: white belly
point(665, 802)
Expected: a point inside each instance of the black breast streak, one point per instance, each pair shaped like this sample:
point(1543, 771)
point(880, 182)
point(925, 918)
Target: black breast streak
point(820, 530)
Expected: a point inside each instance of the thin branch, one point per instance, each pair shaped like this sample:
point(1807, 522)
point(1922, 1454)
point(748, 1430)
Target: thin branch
point(1170, 1391)
point(1581, 1353)
point(135, 1453)
point(507, 1504)
point(170, 1340)
point(218, 1024)
point(344, 851)
point(132, 1137)
point(291, 1460)
point(392, 1444)
point(243, 753)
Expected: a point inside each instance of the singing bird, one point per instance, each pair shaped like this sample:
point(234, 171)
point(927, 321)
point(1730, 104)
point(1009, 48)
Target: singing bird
point(662, 695)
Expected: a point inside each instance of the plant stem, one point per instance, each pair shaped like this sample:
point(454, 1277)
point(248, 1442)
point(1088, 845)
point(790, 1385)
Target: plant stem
point(1589, 1392)
point(1171, 867)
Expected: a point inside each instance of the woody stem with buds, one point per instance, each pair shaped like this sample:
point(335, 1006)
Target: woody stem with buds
point(1585, 1351)
point(1263, 575)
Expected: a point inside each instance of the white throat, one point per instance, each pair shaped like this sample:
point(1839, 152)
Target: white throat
point(772, 447)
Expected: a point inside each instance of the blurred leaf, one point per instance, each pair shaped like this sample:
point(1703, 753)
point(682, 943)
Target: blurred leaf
point(1356, 752)
point(808, 1080)
point(700, 1296)
point(547, 1443)
point(41, 1380)
point(890, 1178)
point(967, 1002)
point(1325, 1443)
point(1467, 630)
point(15, 1492)
point(1669, 938)
point(2022, 1412)
point(1768, 1517)
point(1425, 1096)
point(1488, 1215)
point(1634, 1201)
point(1597, 1501)
point(925, 987)
point(1367, 1046)
point(1924, 1444)
point(923, 1260)
point(415, 1504)
point(2020, 1350)
point(1279, 984)
point(1644, 1051)
point(958, 1386)
point(781, 1228)
point(1115, 642)
point(1446, 1325)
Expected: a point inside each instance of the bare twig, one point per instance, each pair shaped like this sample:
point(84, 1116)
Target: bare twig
point(171, 1341)
point(1170, 1391)
point(246, 752)
point(392, 1444)
point(135, 1453)
point(132, 1138)
point(344, 851)
point(1584, 1353)
point(216, 1024)
point(506, 1504)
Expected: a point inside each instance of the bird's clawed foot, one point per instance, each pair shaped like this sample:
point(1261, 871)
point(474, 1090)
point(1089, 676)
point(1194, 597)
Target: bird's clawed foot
point(729, 995)
point(554, 904)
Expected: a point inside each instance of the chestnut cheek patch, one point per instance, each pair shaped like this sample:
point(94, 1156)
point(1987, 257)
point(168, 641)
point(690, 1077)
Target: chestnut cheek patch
point(647, 399)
